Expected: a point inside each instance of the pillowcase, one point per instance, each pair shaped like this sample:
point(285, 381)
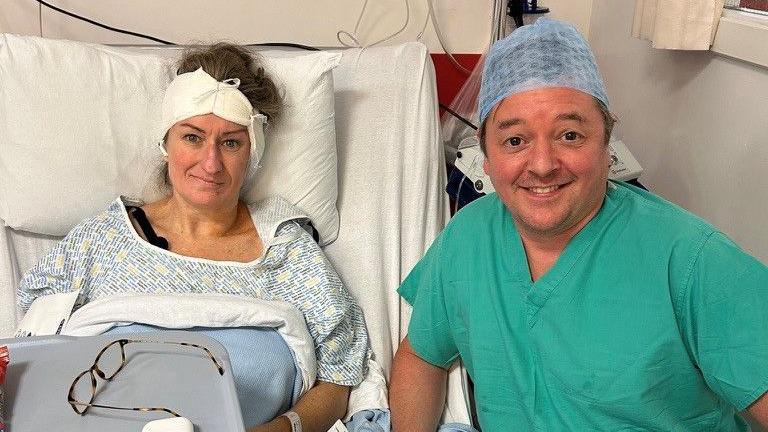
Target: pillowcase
point(300, 160)
point(78, 126)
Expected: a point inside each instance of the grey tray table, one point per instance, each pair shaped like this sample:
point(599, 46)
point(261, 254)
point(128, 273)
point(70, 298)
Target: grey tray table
point(183, 379)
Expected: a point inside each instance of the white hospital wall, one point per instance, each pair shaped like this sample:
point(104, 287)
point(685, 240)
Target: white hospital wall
point(696, 121)
point(576, 12)
point(466, 24)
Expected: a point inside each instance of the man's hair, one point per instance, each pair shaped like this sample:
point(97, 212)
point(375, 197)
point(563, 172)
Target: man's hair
point(609, 120)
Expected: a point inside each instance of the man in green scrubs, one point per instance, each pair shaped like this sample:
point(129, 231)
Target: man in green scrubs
point(577, 303)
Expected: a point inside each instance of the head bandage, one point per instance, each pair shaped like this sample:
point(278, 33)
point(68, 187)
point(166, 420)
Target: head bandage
point(547, 53)
point(197, 93)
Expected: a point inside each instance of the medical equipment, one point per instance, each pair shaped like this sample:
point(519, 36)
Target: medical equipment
point(355, 35)
point(624, 166)
point(516, 9)
point(469, 160)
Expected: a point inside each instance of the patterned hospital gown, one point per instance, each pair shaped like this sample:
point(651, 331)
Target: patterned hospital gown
point(104, 255)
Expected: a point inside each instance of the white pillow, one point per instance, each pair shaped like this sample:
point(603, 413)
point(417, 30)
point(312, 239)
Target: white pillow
point(300, 160)
point(78, 127)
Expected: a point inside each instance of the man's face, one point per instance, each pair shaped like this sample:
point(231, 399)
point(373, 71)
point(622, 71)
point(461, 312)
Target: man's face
point(547, 159)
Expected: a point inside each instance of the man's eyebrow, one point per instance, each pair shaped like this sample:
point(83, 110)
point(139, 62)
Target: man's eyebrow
point(571, 116)
point(508, 123)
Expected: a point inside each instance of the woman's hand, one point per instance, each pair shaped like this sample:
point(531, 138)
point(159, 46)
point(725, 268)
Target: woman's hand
point(319, 408)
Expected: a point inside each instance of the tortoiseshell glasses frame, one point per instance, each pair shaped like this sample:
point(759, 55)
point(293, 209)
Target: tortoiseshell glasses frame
point(80, 407)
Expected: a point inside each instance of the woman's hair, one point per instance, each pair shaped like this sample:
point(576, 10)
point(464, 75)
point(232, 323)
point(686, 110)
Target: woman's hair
point(224, 60)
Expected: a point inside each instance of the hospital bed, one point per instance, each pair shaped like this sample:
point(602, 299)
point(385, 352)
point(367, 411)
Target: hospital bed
point(391, 181)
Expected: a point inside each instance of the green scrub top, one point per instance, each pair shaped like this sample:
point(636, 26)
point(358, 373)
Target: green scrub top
point(650, 320)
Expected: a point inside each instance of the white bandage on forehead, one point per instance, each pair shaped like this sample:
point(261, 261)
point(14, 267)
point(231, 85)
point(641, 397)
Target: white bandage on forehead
point(197, 93)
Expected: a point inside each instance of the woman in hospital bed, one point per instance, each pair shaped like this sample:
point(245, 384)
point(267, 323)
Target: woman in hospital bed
point(201, 238)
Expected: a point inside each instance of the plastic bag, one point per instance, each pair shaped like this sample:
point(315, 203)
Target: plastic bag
point(4, 359)
point(452, 129)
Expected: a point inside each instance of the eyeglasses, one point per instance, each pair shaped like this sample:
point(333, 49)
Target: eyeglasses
point(111, 360)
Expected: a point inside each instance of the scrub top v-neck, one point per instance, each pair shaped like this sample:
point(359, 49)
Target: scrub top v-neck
point(539, 291)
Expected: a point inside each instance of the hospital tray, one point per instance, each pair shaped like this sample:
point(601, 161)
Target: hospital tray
point(183, 379)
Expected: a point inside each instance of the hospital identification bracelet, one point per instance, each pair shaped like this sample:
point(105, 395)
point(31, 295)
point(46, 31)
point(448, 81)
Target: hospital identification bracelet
point(294, 419)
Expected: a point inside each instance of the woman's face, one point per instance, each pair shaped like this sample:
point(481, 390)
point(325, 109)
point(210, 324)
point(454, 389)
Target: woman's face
point(207, 160)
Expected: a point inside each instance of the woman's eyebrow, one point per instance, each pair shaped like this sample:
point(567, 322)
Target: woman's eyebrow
point(236, 131)
point(231, 132)
point(192, 126)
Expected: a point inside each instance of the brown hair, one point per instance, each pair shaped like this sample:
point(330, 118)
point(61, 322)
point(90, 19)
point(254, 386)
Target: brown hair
point(225, 60)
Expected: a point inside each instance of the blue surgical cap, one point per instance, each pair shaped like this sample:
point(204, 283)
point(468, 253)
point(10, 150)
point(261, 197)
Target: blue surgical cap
point(547, 53)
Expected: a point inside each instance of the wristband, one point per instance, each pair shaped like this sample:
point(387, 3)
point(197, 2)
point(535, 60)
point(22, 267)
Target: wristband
point(294, 419)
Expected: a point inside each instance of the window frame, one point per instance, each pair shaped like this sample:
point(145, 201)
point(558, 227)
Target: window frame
point(743, 35)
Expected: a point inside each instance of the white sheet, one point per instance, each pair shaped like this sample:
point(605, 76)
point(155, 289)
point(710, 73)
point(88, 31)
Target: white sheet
point(204, 310)
point(392, 197)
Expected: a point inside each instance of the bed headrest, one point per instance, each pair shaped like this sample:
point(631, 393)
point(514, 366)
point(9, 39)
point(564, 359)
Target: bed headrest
point(77, 124)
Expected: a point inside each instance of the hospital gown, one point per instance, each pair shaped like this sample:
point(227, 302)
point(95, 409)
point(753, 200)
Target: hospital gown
point(104, 256)
point(650, 320)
